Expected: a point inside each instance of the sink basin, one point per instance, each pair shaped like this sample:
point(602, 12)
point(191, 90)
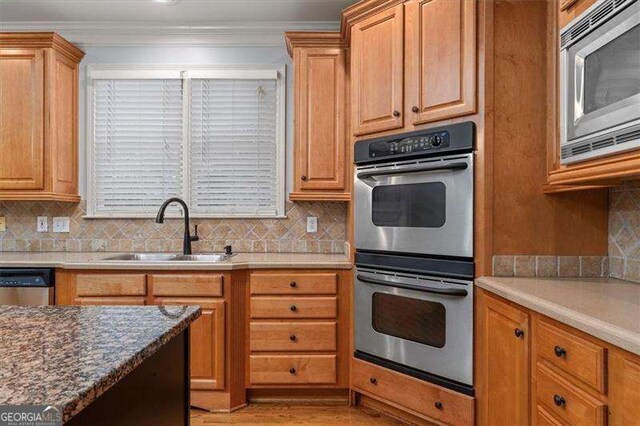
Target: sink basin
point(169, 257)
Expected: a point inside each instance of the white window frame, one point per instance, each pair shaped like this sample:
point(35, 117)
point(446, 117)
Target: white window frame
point(185, 73)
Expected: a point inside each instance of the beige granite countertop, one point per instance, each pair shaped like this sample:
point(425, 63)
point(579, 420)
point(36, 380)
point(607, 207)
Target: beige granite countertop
point(96, 260)
point(606, 308)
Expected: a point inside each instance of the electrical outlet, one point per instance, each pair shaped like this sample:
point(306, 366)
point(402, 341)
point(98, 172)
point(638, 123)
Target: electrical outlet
point(61, 224)
point(3, 224)
point(312, 224)
point(43, 223)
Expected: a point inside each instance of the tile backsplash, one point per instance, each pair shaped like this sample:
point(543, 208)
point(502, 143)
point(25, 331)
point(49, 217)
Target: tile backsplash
point(551, 266)
point(245, 235)
point(624, 231)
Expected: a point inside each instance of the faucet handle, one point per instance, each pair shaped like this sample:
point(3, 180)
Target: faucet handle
point(228, 250)
point(195, 236)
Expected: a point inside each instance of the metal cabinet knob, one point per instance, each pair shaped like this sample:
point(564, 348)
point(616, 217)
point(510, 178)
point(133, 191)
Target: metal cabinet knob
point(303, 177)
point(559, 400)
point(373, 381)
point(415, 109)
point(293, 308)
point(293, 284)
point(292, 337)
point(560, 351)
point(292, 370)
point(438, 405)
point(518, 332)
point(396, 113)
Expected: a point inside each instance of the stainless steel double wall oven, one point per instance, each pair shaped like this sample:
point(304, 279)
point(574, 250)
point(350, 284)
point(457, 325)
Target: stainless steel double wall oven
point(414, 254)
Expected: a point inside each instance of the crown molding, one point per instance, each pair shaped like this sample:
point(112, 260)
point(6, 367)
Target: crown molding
point(86, 34)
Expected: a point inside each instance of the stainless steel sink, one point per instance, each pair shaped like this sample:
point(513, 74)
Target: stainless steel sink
point(169, 257)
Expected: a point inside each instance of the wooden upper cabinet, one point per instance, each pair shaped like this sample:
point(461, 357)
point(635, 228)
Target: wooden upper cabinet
point(377, 70)
point(38, 117)
point(503, 363)
point(440, 58)
point(21, 119)
point(320, 93)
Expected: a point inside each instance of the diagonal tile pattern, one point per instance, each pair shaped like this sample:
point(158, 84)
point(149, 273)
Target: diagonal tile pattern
point(624, 231)
point(245, 235)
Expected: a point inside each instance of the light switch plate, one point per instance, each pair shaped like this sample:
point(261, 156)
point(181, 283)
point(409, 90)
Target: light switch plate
point(312, 224)
point(43, 223)
point(3, 224)
point(61, 224)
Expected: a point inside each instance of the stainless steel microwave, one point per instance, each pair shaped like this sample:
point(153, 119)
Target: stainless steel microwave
point(600, 81)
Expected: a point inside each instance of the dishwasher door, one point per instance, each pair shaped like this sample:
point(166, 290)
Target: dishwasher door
point(26, 296)
point(27, 286)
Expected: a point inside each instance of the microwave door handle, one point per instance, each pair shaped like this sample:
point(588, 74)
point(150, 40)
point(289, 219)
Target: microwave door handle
point(425, 168)
point(442, 291)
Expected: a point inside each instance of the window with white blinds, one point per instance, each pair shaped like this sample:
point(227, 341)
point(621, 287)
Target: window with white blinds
point(212, 137)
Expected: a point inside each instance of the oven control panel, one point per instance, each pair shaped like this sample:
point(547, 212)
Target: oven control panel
point(409, 144)
point(444, 140)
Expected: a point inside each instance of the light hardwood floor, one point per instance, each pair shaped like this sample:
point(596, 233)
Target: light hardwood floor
point(270, 413)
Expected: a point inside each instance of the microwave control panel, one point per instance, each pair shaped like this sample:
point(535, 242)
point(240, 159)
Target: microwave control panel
point(409, 145)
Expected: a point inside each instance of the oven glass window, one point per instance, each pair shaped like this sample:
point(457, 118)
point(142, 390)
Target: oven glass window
point(611, 72)
point(421, 321)
point(415, 205)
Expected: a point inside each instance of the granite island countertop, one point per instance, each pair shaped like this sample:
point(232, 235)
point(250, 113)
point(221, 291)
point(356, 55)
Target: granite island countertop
point(97, 260)
point(68, 356)
point(606, 308)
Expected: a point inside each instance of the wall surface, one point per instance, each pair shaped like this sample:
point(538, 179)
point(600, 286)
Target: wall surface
point(257, 235)
point(624, 231)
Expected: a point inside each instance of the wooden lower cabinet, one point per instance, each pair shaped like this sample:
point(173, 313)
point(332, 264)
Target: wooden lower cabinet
point(563, 376)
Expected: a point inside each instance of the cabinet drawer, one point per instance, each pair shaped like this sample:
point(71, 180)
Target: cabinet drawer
point(566, 401)
point(293, 336)
point(107, 301)
point(423, 398)
point(186, 285)
point(292, 369)
point(293, 307)
point(110, 285)
point(294, 283)
point(543, 418)
point(576, 356)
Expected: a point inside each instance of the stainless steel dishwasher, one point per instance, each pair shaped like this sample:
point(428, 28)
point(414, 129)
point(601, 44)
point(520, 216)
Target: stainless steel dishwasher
point(26, 286)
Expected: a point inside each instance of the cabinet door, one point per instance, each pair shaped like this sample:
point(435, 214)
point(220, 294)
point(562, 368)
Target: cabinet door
point(320, 119)
point(624, 389)
point(441, 59)
point(377, 72)
point(207, 342)
point(21, 119)
point(504, 363)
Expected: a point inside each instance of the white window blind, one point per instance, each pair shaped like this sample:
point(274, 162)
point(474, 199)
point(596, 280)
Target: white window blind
point(233, 146)
point(214, 137)
point(137, 144)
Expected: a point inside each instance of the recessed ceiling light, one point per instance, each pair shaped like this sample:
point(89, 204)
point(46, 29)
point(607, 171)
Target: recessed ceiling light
point(165, 1)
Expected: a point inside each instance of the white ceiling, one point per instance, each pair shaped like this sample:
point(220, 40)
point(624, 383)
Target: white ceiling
point(184, 12)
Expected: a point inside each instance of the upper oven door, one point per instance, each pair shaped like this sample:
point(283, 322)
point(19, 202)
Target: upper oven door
point(421, 322)
point(600, 77)
point(421, 206)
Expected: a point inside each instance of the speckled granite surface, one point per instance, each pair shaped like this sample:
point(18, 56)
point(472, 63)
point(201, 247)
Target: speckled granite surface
point(70, 355)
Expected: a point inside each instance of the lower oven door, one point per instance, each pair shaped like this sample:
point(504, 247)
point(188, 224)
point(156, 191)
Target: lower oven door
point(420, 322)
point(423, 207)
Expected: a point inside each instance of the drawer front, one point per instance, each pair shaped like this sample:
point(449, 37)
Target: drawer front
point(292, 369)
point(565, 401)
point(293, 307)
point(186, 285)
point(109, 301)
point(421, 397)
point(576, 356)
point(543, 418)
point(320, 283)
point(110, 285)
point(293, 336)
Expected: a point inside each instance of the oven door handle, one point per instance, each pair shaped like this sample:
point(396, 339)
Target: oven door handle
point(442, 291)
point(452, 166)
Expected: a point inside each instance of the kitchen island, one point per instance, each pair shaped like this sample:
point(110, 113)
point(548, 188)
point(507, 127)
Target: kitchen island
point(98, 364)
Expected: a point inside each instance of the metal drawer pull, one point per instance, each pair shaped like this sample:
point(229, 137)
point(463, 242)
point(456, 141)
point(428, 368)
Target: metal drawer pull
point(373, 381)
point(560, 352)
point(292, 370)
point(559, 401)
point(293, 284)
point(438, 405)
point(444, 291)
point(518, 332)
point(293, 308)
point(452, 166)
point(292, 337)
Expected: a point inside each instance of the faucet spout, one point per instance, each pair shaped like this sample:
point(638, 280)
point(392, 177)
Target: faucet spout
point(186, 244)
